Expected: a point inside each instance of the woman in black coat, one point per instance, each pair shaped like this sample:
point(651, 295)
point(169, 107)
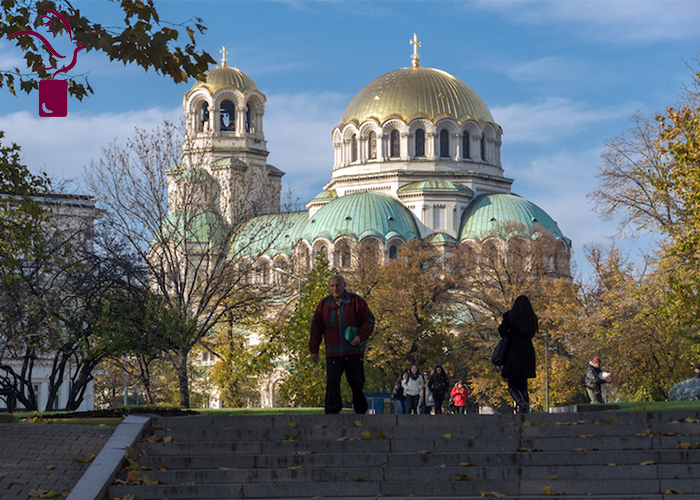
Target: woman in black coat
point(519, 326)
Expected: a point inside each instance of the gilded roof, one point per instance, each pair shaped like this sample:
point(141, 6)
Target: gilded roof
point(226, 77)
point(490, 215)
point(410, 93)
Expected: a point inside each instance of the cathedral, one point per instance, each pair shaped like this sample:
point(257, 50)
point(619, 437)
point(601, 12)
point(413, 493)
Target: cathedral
point(417, 154)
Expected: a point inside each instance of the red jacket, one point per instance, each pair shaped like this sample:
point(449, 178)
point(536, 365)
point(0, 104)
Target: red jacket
point(460, 395)
point(329, 318)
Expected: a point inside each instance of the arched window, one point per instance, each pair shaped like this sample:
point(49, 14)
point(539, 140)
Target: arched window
point(420, 142)
point(249, 120)
point(483, 148)
point(353, 148)
point(465, 145)
point(392, 252)
point(345, 258)
point(324, 250)
point(227, 116)
point(203, 116)
point(372, 146)
point(444, 144)
point(395, 145)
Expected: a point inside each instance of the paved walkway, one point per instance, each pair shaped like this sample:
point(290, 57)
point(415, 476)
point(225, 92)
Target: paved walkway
point(41, 457)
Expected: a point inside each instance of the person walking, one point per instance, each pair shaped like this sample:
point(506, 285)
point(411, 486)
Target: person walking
point(427, 401)
point(696, 368)
point(344, 322)
point(594, 381)
point(439, 384)
point(460, 395)
point(398, 397)
point(412, 386)
point(519, 326)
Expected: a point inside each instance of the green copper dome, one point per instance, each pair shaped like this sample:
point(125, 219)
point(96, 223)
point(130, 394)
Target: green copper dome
point(486, 215)
point(270, 234)
point(196, 226)
point(360, 215)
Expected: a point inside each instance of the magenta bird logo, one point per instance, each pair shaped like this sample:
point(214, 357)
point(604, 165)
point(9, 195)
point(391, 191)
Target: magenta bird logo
point(53, 94)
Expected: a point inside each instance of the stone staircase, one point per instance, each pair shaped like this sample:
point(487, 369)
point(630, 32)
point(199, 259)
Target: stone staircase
point(632, 455)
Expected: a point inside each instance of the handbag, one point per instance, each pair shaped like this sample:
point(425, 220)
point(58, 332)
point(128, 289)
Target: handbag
point(499, 353)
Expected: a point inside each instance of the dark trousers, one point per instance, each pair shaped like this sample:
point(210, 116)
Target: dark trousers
point(439, 398)
point(354, 373)
point(412, 403)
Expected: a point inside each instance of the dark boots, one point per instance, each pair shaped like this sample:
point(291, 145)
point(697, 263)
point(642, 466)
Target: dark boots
point(522, 401)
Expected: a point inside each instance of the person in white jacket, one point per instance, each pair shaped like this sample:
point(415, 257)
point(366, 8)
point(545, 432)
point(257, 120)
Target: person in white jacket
point(412, 385)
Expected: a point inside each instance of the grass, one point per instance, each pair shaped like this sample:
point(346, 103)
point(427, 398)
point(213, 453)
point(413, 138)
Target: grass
point(658, 406)
point(260, 411)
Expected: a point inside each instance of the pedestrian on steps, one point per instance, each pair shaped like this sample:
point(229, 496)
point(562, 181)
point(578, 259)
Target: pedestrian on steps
point(397, 395)
point(460, 393)
point(519, 326)
point(344, 322)
point(412, 387)
point(439, 384)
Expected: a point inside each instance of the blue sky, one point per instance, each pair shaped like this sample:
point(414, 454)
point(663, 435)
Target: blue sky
point(560, 77)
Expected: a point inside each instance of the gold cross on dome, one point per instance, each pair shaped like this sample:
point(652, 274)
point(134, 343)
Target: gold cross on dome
point(416, 55)
point(223, 52)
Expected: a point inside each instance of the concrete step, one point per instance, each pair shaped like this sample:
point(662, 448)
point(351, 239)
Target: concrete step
point(636, 455)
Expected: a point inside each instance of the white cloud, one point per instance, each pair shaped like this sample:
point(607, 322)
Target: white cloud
point(298, 132)
point(551, 118)
point(609, 20)
point(62, 147)
point(544, 69)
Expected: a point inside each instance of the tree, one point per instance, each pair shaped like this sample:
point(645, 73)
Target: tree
point(204, 264)
point(144, 40)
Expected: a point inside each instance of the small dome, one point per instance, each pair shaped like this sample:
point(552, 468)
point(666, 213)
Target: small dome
point(410, 93)
point(360, 215)
point(226, 77)
point(201, 227)
point(483, 215)
point(435, 186)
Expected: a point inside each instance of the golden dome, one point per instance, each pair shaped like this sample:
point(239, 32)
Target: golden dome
point(416, 92)
point(226, 77)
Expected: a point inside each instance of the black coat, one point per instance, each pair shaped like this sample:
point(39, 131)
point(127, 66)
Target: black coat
point(519, 360)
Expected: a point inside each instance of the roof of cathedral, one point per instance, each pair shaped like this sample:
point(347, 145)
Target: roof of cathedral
point(226, 77)
point(417, 92)
point(271, 234)
point(325, 196)
point(200, 226)
point(489, 214)
point(362, 214)
point(435, 186)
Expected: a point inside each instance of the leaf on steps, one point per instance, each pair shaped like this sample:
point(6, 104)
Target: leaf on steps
point(555, 477)
point(649, 462)
point(381, 436)
point(688, 446)
point(547, 491)
point(527, 423)
point(357, 423)
point(65, 491)
point(291, 437)
point(467, 464)
point(671, 491)
point(579, 449)
point(189, 483)
point(49, 467)
point(384, 465)
point(523, 449)
point(360, 479)
point(157, 428)
point(492, 494)
point(611, 465)
point(131, 453)
point(296, 467)
point(168, 439)
point(585, 436)
point(601, 421)
point(86, 459)
point(292, 425)
point(447, 436)
point(304, 453)
point(646, 433)
point(463, 477)
point(320, 426)
point(366, 435)
point(343, 438)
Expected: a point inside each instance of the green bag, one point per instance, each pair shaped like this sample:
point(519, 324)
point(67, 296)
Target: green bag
point(351, 332)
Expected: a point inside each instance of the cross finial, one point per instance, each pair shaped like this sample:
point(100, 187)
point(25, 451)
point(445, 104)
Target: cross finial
point(223, 57)
point(416, 55)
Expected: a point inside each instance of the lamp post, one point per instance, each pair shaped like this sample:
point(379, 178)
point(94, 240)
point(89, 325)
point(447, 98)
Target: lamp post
point(298, 278)
point(546, 337)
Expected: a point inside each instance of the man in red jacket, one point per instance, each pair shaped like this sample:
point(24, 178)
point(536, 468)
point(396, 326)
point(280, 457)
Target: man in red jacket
point(344, 322)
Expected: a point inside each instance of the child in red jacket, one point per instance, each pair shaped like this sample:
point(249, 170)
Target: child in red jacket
point(460, 394)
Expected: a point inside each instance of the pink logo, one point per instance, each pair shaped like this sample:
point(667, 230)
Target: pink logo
point(53, 94)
